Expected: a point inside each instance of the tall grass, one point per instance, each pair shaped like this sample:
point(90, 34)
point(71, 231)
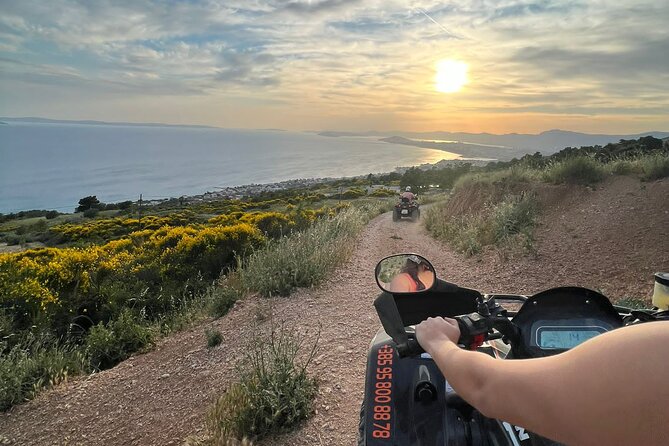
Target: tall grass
point(648, 167)
point(429, 199)
point(582, 170)
point(507, 225)
point(108, 344)
point(654, 167)
point(274, 392)
point(511, 175)
point(576, 170)
point(305, 258)
point(515, 215)
point(623, 167)
point(33, 363)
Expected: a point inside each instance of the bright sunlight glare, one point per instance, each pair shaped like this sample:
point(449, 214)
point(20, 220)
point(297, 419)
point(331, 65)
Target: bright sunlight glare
point(451, 76)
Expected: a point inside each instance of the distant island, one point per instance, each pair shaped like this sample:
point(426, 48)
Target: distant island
point(485, 152)
point(545, 142)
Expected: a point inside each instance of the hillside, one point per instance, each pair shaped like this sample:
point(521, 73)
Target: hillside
point(607, 238)
point(610, 238)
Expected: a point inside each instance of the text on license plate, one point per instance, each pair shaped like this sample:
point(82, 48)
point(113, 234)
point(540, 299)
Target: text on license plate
point(405, 211)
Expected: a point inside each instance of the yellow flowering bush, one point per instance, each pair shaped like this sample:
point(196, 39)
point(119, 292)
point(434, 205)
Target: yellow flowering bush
point(153, 266)
point(209, 250)
point(22, 288)
point(104, 229)
point(272, 224)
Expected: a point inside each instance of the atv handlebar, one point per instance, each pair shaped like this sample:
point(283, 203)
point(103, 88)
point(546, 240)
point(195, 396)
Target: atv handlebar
point(475, 329)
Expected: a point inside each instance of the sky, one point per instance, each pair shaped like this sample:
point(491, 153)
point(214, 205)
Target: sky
point(598, 66)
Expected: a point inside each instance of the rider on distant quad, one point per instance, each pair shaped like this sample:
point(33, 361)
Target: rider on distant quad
point(408, 194)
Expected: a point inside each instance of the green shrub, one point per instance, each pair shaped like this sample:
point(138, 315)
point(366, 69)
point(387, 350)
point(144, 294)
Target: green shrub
point(507, 225)
point(305, 258)
point(109, 344)
point(274, 392)
point(515, 215)
point(39, 226)
point(464, 233)
point(466, 180)
point(222, 300)
point(576, 170)
point(654, 167)
point(353, 193)
point(32, 364)
point(214, 337)
point(14, 239)
point(382, 192)
point(622, 167)
point(92, 212)
point(6, 326)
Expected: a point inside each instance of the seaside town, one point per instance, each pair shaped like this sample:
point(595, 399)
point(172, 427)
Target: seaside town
point(252, 190)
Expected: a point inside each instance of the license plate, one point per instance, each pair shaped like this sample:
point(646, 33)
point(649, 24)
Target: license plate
point(405, 211)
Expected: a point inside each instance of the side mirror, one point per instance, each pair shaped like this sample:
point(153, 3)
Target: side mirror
point(405, 273)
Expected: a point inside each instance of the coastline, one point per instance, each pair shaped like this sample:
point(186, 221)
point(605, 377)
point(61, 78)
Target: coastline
point(255, 189)
point(252, 190)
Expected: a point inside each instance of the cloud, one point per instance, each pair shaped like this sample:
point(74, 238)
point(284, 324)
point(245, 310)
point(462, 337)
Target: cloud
point(347, 56)
point(315, 6)
point(645, 57)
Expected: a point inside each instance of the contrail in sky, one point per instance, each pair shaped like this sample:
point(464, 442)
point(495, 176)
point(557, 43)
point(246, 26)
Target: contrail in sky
point(422, 11)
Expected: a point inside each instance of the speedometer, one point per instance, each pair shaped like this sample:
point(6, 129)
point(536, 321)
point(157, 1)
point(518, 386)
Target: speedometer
point(565, 337)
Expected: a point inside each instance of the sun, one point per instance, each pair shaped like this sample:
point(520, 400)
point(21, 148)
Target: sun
point(451, 75)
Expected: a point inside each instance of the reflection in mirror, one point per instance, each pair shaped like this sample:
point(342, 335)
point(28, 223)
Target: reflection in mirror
point(405, 273)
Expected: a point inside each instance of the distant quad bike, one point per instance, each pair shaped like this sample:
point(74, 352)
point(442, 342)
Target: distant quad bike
point(406, 209)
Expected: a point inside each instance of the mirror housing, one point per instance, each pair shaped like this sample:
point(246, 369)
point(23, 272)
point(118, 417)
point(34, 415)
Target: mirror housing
point(405, 274)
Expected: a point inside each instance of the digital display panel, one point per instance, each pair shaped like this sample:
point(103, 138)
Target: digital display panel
point(566, 338)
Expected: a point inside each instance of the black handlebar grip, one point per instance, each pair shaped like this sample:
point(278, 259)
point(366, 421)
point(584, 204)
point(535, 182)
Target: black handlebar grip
point(465, 337)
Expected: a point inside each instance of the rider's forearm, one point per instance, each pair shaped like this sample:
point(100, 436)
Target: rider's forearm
point(578, 397)
point(497, 389)
point(469, 373)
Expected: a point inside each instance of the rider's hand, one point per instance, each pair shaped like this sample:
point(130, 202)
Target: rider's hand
point(435, 330)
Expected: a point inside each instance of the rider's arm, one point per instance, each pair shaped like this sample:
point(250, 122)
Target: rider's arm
point(400, 283)
point(612, 389)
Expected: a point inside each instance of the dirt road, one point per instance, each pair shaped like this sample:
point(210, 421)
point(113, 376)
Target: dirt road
point(161, 397)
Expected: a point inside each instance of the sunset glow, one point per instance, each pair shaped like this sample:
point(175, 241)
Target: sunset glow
point(352, 65)
point(451, 76)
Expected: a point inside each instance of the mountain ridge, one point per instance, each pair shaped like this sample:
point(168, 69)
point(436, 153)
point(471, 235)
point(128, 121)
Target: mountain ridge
point(37, 120)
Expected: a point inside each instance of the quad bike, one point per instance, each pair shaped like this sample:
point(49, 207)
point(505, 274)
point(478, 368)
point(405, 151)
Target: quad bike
point(406, 209)
point(407, 401)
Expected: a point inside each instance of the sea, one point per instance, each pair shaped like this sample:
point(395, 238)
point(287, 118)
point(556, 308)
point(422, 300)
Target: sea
point(52, 166)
